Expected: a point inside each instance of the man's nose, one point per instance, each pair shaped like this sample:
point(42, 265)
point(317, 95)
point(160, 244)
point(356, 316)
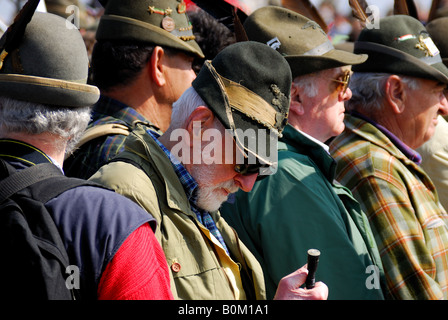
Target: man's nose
point(245, 182)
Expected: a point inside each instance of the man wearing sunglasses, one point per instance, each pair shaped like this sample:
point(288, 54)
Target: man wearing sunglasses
point(300, 207)
point(184, 175)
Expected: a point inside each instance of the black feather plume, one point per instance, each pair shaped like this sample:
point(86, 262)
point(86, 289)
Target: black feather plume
point(14, 34)
point(222, 11)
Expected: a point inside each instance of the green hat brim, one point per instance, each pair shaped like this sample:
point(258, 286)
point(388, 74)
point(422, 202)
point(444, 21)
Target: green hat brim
point(399, 62)
point(114, 27)
point(304, 64)
point(48, 91)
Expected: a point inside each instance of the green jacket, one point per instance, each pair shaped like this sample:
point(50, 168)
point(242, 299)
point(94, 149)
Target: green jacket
point(300, 207)
point(199, 268)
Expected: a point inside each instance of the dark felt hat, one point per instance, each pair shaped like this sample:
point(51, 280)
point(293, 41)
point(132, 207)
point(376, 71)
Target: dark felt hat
point(247, 86)
point(300, 40)
point(158, 22)
point(438, 29)
point(401, 45)
point(50, 66)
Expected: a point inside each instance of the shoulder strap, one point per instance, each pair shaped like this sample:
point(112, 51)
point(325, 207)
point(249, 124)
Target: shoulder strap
point(102, 130)
point(25, 178)
point(52, 182)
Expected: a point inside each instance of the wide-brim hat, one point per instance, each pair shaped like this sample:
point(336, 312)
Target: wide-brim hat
point(401, 45)
point(300, 40)
point(50, 66)
point(438, 29)
point(247, 86)
point(157, 22)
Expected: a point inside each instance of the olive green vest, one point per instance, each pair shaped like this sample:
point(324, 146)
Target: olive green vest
point(199, 267)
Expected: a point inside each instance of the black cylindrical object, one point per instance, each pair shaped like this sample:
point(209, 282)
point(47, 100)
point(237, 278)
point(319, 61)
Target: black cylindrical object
point(313, 260)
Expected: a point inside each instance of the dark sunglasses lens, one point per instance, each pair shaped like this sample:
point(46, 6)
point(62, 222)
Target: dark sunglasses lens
point(247, 169)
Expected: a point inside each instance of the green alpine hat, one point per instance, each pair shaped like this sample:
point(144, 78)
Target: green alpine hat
point(437, 29)
point(300, 40)
point(401, 45)
point(247, 86)
point(50, 65)
point(158, 22)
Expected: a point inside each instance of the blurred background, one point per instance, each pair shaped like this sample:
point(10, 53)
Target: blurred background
point(337, 14)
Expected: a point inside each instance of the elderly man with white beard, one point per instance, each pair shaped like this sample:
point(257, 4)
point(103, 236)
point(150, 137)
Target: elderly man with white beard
point(183, 176)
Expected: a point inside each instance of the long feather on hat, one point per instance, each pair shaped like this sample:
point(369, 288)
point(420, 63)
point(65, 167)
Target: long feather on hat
point(433, 11)
point(406, 7)
point(359, 11)
point(14, 34)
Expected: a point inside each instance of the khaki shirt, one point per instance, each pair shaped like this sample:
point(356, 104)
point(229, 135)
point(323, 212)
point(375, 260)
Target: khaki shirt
point(199, 267)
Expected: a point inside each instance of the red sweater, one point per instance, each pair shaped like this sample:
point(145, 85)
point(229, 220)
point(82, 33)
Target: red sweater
point(138, 270)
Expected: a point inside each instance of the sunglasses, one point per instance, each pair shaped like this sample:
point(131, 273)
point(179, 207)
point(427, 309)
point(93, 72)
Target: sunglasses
point(246, 169)
point(343, 84)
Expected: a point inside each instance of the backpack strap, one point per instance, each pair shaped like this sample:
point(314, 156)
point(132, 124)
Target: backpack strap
point(102, 130)
point(52, 182)
point(25, 178)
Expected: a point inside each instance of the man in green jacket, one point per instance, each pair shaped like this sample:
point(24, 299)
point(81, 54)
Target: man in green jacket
point(301, 206)
point(398, 94)
point(184, 175)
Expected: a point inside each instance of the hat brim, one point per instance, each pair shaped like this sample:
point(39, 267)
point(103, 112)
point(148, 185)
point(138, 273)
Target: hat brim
point(124, 28)
point(48, 91)
point(304, 64)
point(399, 62)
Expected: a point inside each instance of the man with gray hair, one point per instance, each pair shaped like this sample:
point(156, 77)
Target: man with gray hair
point(44, 109)
point(398, 94)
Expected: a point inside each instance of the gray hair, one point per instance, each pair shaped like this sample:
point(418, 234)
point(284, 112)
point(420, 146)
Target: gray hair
point(17, 116)
point(184, 106)
point(368, 90)
point(308, 84)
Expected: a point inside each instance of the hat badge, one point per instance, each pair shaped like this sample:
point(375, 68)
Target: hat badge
point(166, 12)
point(274, 43)
point(427, 45)
point(167, 22)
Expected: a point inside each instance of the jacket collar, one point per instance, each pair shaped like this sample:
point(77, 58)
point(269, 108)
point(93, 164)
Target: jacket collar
point(406, 150)
point(142, 144)
point(381, 137)
point(22, 152)
point(295, 141)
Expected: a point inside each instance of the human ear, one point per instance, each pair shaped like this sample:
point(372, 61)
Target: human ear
point(199, 120)
point(296, 105)
point(395, 93)
point(156, 66)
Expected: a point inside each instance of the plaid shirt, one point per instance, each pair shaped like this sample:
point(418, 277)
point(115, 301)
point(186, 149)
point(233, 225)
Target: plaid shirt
point(91, 156)
point(191, 190)
point(409, 224)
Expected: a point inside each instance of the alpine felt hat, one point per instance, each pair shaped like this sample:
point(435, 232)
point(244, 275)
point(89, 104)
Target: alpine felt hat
point(50, 66)
point(158, 22)
point(401, 45)
point(247, 86)
point(438, 29)
point(300, 40)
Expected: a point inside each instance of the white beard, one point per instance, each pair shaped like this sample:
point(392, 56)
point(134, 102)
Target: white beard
point(210, 197)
